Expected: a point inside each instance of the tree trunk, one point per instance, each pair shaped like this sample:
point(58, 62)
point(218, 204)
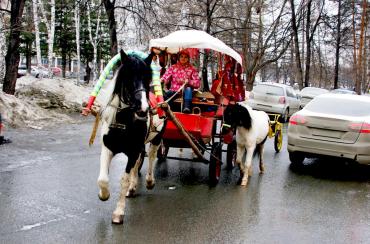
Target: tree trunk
point(50, 26)
point(296, 46)
point(28, 56)
point(77, 24)
point(361, 49)
point(337, 45)
point(37, 32)
point(64, 64)
point(109, 8)
point(2, 48)
point(94, 40)
point(308, 45)
point(12, 56)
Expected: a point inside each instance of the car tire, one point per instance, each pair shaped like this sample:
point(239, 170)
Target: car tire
point(296, 158)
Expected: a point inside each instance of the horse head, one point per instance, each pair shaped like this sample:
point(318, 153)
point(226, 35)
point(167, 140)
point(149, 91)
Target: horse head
point(132, 82)
point(236, 115)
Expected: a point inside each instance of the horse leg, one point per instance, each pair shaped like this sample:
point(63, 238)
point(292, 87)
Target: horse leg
point(117, 217)
point(134, 175)
point(248, 168)
point(261, 149)
point(103, 179)
point(152, 155)
point(239, 156)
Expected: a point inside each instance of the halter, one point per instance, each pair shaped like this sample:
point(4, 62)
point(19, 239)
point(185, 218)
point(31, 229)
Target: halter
point(127, 99)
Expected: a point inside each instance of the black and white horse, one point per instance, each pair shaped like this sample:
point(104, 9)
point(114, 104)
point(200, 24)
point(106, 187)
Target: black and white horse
point(125, 125)
point(252, 128)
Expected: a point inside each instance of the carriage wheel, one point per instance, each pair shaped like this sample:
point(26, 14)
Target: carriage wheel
point(231, 155)
point(278, 141)
point(215, 164)
point(162, 152)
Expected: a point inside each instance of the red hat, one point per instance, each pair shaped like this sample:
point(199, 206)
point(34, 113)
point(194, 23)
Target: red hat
point(185, 52)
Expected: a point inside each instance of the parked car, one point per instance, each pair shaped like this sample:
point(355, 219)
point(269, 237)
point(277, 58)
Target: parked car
point(56, 71)
point(274, 98)
point(343, 91)
point(22, 70)
point(39, 71)
point(308, 93)
point(336, 125)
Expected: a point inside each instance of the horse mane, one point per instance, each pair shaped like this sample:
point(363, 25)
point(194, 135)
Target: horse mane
point(242, 116)
point(132, 68)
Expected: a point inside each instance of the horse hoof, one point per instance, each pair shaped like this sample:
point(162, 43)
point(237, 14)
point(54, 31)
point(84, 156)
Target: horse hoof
point(150, 185)
point(117, 219)
point(244, 183)
point(131, 193)
point(104, 197)
point(262, 169)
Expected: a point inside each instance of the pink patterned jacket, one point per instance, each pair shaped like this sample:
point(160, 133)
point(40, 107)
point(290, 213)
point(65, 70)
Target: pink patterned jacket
point(177, 74)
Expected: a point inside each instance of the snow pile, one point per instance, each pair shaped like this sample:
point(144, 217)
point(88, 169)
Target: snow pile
point(38, 103)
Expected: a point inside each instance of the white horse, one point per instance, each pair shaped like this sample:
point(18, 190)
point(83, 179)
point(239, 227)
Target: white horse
point(252, 129)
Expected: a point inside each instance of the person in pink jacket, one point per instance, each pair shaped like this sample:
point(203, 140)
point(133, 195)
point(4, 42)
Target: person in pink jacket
point(177, 75)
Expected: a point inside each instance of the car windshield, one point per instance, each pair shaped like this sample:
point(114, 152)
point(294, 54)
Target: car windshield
point(313, 90)
point(343, 91)
point(269, 90)
point(348, 107)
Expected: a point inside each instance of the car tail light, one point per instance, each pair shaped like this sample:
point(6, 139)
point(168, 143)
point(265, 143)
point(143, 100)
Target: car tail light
point(297, 120)
point(251, 95)
point(282, 100)
point(360, 127)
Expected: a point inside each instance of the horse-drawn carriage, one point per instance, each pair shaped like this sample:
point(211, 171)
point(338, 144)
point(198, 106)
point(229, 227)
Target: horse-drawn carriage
point(201, 129)
point(128, 123)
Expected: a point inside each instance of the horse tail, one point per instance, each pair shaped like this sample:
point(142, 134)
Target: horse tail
point(258, 147)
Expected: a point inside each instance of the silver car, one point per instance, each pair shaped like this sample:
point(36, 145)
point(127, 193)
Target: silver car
point(274, 98)
point(336, 125)
point(39, 71)
point(308, 93)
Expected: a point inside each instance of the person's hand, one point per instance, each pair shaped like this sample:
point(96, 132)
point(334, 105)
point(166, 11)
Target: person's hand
point(156, 50)
point(85, 111)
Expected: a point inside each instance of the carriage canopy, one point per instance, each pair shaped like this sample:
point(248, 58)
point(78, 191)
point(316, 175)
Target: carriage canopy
point(183, 39)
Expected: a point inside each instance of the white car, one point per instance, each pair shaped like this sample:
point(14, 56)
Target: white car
point(39, 71)
point(335, 125)
point(274, 98)
point(308, 93)
point(22, 71)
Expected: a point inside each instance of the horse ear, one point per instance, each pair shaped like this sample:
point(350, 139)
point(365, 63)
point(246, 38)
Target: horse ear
point(124, 56)
point(148, 59)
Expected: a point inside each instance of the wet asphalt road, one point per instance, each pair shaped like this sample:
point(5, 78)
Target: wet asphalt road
point(48, 194)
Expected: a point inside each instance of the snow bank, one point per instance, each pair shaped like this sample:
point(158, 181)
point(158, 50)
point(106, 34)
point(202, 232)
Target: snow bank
point(38, 103)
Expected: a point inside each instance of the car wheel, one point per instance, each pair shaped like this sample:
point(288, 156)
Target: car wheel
point(37, 75)
point(296, 158)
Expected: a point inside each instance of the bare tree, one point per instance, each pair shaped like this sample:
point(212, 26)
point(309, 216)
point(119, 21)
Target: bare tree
point(5, 9)
point(360, 67)
point(310, 31)
point(296, 45)
point(77, 25)
point(12, 56)
point(94, 39)
point(50, 26)
point(109, 8)
point(37, 31)
point(265, 50)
